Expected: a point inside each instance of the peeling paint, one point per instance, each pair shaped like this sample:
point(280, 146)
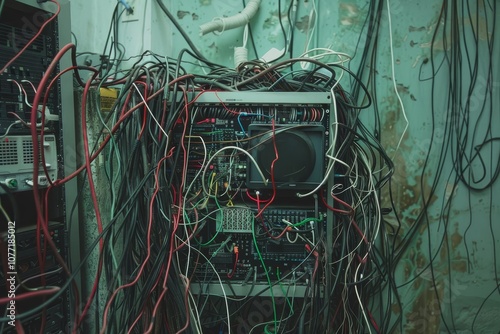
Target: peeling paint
point(412, 28)
point(181, 14)
point(425, 315)
point(305, 23)
point(349, 14)
point(402, 88)
point(273, 22)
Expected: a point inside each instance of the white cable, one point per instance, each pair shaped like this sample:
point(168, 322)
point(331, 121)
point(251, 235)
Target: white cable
point(331, 149)
point(221, 24)
point(2, 210)
point(37, 276)
point(149, 110)
point(240, 56)
point(221, 286)
point(18, 86)
point(31, 84)
point(241, 52)
point(359, 300)
point(394, 77)
point(312, 16)
point(338, 160)
point(343, 57)
point(375, 195)
point(230, 148)
point(291, 25)
point(22, 92)
point(8, 129)
point(193, 308)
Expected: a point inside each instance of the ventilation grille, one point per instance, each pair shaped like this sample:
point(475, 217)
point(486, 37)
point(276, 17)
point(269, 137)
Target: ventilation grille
point(17, 39)
point(235, 220)
point(28, 151)
point(16, 152)
point(8, 153)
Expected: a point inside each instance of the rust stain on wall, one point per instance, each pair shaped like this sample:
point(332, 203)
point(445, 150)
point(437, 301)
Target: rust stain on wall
point(459, 265)
point(422, 313)
point(425, 315)
point(456, 238)
point(408, 163)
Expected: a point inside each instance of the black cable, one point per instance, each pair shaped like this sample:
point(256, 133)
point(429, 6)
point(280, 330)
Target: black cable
point(251, 35)
point(179, 28)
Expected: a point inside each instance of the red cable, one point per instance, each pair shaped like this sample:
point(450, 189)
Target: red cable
point(286, 229)
point(374, 323)
point(272, 171)
point(356, 227)
point(236, 254)
point(34, 136)
point(351, 209)
point(148, 249)
point(174, 230)
point(19, 118)
point(145, 109)
point(350, 213)
point(256, 199)
point(19, 327)
point(334, 209)
point(116, 127)
point(34, 37)
point(54, 81)
point(180, 204)
point(188, 313)
point(43, 256)
point(192, 233)
point(144, 306)
point(78, 171)
point(150, 328)
point(93, 194)
point(224, 105)
point(30, 294)
point(177, 218)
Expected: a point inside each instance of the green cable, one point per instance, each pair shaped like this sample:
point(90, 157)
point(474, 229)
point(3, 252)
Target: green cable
point(283, 289)
point(305, 221)
point(268, 281)
point(218, 230)
point(213, 238)
point(113, 148)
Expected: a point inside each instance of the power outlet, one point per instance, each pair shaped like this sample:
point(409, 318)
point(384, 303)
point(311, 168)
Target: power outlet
point(138, 7)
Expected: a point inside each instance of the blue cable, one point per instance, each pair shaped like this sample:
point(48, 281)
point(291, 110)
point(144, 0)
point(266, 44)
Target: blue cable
point(241, 125)
point(129, 9)
point(247, 114)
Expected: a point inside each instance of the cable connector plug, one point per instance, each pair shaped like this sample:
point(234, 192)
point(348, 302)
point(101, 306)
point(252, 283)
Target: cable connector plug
point(129, 9)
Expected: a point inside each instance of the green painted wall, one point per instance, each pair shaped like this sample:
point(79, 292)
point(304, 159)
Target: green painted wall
point(459, 231)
